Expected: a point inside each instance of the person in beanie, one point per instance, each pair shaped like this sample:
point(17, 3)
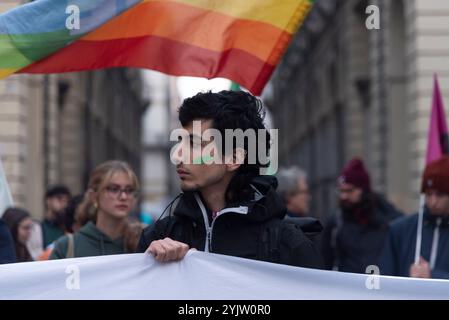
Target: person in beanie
point(353, 237)
point(398, 258)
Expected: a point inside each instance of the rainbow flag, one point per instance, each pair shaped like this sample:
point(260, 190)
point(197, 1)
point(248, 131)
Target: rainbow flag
point(242, 40)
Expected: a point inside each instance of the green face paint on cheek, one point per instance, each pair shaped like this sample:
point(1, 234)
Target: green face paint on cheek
point(203, 160)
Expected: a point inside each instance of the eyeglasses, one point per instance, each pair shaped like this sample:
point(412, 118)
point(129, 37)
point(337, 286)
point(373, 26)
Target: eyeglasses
point(115, 191)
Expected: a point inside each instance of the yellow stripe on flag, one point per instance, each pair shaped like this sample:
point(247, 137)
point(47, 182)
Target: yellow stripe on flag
point(275, 12)
point(6, 72)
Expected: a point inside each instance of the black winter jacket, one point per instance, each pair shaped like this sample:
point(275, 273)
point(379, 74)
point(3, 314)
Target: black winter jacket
point(349, 246)
point(238, 230)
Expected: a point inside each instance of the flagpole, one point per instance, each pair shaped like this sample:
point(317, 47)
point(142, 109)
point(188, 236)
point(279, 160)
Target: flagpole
point(422, 200)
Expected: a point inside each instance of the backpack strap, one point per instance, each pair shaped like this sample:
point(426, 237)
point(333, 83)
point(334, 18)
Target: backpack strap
point(270, 237)
point(171, 221)
point(173, 206)
point(70, 246)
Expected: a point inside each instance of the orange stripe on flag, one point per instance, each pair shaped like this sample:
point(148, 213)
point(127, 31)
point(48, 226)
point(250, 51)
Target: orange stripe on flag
point(195, 26)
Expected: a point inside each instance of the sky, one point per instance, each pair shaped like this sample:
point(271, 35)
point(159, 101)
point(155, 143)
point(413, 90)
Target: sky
point(189, 86)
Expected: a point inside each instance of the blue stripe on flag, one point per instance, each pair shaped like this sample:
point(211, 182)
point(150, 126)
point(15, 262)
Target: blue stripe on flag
point(44, 16)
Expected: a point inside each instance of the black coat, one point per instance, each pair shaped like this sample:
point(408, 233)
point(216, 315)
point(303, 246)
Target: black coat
point(238, 230)
point(350, 246)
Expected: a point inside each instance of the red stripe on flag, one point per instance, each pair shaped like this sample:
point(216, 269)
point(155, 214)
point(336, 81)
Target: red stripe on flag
point(159, 54)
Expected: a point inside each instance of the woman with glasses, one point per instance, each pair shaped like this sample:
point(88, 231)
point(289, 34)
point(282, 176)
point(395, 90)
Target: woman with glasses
point(19, 223)
point(104, 214)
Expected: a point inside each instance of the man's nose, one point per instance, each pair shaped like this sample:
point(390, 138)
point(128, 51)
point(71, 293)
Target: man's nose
point(431, 200)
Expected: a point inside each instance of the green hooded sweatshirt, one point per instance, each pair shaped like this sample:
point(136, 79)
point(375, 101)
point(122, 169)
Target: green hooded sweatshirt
point(50, 232)
point(88, 241)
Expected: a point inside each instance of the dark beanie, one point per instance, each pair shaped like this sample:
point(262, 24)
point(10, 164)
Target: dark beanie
point(436, 176)
point(355, 173)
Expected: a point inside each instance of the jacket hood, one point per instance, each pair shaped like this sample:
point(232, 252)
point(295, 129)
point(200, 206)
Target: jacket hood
point(262, 204)
point(90, 230)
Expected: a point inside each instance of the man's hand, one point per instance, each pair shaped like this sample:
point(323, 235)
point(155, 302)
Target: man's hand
point(420, 270)
point(168, 250)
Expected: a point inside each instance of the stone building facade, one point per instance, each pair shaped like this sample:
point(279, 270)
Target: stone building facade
point(344, 90)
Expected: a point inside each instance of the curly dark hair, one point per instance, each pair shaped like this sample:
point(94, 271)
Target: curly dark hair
point(231, 110)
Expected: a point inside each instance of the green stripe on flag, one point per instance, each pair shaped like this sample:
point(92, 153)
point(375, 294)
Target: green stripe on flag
point(18, 51)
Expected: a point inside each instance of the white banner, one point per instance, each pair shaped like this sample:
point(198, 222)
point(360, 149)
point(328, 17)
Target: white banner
point(200, 276)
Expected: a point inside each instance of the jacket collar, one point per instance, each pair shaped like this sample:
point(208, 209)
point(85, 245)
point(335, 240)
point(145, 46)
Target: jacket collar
point(263, 204)
point(430, 219)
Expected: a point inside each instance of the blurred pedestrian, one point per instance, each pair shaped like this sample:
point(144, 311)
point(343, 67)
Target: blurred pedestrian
point(431, 239)
point(294, 190)
point(56, 200)
point(19, 223)
point(71, 225)
point(353, 237)
point(108, 202)
point(44, 233)
point(7, 250)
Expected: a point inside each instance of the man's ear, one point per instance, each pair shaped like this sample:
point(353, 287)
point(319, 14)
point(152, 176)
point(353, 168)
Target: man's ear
point(238, 158)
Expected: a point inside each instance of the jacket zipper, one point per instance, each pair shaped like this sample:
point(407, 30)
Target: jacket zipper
point(209, 227)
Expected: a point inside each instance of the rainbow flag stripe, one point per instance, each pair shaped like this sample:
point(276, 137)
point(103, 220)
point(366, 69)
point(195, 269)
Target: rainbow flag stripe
point(242, 40)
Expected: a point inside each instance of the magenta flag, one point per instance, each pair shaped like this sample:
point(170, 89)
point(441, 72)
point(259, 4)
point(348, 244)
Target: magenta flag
point(438, 143)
